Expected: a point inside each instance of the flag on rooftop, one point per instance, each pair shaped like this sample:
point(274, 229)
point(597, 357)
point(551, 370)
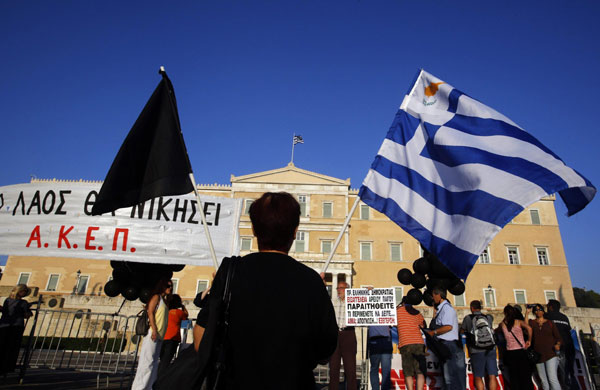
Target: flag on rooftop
point(152, 161)
point(452, 172)
point(298, 139)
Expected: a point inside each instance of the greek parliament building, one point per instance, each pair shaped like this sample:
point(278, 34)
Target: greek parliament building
point(525, 263)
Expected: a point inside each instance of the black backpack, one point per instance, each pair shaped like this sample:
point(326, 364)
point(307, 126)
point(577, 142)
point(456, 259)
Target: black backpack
point(142, 323)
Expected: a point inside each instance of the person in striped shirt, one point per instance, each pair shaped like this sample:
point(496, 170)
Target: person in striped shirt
point(411, 345)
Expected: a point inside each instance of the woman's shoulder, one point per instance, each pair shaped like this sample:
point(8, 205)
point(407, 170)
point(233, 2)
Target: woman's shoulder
point(23, 303)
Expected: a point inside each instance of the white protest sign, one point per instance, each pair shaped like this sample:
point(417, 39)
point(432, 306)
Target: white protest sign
point(365, 307)
point(55, 219)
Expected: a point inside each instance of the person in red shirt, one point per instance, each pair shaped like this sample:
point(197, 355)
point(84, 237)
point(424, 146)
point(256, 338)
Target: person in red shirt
point(411, 345)
point(177, 313)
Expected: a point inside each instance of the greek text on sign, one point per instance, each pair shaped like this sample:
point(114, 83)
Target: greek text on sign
point(366, 307)
point(54, 219)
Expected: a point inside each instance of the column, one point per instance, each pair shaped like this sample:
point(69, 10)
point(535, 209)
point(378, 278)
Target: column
point(349, 279)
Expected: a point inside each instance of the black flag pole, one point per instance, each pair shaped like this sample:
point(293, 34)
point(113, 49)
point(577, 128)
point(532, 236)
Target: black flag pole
point(173, 102)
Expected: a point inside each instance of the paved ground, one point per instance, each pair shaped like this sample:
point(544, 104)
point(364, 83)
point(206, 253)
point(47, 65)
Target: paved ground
point(46, 379)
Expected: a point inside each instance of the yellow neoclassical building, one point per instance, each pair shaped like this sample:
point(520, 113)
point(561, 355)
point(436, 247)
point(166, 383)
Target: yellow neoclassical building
point(525, 263)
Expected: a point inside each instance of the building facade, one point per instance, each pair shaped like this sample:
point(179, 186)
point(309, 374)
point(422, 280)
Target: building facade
point(525, 263)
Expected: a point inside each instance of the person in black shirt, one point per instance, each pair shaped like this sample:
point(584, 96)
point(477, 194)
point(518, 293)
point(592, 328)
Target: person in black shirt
point(281, 322)
point(566, 355)
point(15, 311)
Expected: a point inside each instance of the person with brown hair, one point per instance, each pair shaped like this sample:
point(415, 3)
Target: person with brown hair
point(158, 317)
point(281, 320)
point(15, 311)
point(411, 345)
point(482, 346)
point(515, 355)
point(546, 342)
point(172, 338)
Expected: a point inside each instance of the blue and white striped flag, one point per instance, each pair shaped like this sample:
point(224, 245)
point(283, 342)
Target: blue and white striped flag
point(452, 172)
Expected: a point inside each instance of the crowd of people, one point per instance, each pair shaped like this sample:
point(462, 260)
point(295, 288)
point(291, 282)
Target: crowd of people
point(275, 330)
point(539, 348)
point(165, 314)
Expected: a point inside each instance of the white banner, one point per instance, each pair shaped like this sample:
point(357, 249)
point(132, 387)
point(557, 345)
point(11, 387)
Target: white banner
point(54, 219)
point(366, 307)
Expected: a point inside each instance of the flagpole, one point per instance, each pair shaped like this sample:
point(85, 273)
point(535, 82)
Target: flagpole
point(339, 237)
point(293, 144)
point(203, 218)
point(211, 247)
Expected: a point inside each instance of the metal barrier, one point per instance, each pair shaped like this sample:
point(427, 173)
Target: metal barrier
point(321, 373)
point(103, 343)
point(80, 340)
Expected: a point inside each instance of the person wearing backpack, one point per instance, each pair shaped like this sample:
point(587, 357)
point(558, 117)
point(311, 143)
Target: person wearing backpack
point(482, 346)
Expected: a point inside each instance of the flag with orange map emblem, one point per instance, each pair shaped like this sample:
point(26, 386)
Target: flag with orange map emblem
point(452, 172)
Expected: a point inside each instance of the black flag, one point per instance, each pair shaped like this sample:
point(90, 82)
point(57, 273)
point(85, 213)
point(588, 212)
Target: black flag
point(152, 161)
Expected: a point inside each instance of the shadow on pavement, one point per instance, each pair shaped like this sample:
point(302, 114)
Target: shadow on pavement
point(43, 379)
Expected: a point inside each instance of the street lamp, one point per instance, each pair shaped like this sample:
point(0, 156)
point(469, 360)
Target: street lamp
point(490, 298)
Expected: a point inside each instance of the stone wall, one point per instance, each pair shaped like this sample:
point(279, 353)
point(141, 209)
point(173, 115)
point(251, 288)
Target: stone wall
point(93, 303)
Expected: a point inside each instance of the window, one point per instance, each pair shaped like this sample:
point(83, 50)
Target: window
point(303, 200)
point(484, 258)
point(365, 250)
point(399, 292)
point(175, 285)
point(327, 209)
point(364, 212)
point(549, 294)
point(396, 251)
point(459, 300)
point(24, 278)
point(490, 297)
point(246, 243)
point(542, 255)
point(82, 283)
point(535, 217)
point(520, 297)
point(52, 282)
point(513, 254)
point(247, 205)
point(326, 246)
point(201, 285)
point(300, 241)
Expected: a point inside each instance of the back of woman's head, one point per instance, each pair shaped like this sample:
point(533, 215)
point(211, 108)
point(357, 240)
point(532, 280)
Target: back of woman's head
point(509, 316)
point(275, 217)
point(18, 289)
point(175, 302)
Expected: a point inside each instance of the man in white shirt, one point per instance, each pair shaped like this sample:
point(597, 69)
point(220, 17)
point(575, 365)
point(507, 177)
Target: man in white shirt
point(346, 348)
point(446, 329)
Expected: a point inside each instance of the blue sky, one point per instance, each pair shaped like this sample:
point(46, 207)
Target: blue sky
point(248, 74)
